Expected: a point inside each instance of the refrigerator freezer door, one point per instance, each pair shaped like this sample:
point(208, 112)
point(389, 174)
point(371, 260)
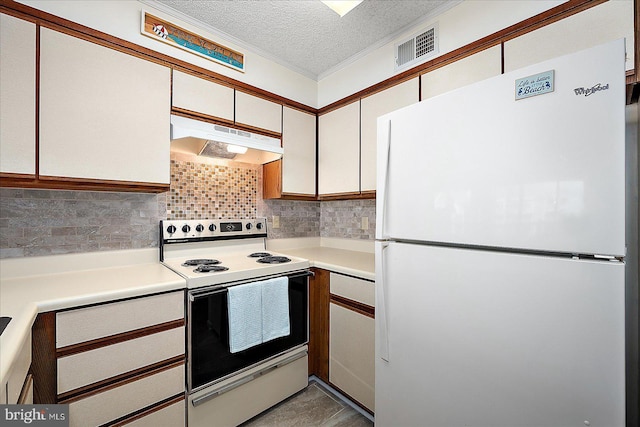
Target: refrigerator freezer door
point(476, 167)
point(480, 338)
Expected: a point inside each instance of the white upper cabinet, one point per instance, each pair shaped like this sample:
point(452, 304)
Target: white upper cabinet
point(479, 66)
point(606, 22)
point(373, 107)
point(339, 150)
point(202, 96)
point(258, 112)
point(103, 114)
point(17, 95)
point(299, 159)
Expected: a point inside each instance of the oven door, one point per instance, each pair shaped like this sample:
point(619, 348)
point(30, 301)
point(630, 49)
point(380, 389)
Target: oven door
point(210, 359)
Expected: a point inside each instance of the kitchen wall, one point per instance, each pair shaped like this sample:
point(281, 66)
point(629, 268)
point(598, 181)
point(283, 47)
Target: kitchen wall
point(49, 222)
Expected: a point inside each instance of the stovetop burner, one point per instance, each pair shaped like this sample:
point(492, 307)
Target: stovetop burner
point(259, 254)
point(203, 261)
point(273, 259)
point(210, 268)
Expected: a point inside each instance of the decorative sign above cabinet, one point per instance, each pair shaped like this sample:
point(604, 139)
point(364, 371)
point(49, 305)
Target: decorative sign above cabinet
point(164, 31)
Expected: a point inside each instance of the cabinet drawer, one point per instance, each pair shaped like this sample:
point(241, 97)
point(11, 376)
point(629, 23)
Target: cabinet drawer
point(100, 321)
point(89, 367)
point(358, 290)
point(120, 401)
point(172, 415)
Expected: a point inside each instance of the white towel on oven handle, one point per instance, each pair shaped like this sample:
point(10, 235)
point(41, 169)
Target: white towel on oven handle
point(275, 308)
point(245, 316)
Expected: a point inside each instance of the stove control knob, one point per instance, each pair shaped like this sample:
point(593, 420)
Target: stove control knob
point(212, 227)
point(259, 226)
point(171, 229)
point(199, 228)
point(186, 228)
point(249, 225)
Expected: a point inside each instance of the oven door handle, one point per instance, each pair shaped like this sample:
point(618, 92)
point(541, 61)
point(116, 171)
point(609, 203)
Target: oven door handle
point(211, 395)
point(223, 288)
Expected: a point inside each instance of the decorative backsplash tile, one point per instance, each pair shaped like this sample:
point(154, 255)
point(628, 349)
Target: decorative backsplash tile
point(204, 190)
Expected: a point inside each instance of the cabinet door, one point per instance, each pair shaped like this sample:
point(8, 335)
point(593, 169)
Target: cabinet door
point(103, 114)
point(371, 108)
point(480, 66)
point(352, 354)
point(606, 22)
point(339, 150)
point(17, 95)
point(258, 112)
point(299, 159)
point(202, 96)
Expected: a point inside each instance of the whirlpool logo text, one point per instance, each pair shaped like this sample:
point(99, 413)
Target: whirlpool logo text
point(591, 90)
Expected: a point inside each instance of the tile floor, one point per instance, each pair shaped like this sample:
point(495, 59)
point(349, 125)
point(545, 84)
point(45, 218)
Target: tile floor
point(313, 406)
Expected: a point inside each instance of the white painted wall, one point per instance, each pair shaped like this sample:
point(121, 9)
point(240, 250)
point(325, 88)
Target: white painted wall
point(461, 25)
point(121, 18)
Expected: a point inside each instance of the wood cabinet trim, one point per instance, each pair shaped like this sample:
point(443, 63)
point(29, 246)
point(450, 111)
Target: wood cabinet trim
point(350, 397)
point(319, 324)
point(56, 23)
point(189, 114)
point(120, 380)
point(349, 304)
point(118, 338)
point(44, 365)
point(9, 180)
point(147, 411)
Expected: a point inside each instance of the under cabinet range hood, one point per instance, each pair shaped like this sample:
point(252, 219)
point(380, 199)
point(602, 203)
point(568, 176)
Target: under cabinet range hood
point(221, 142)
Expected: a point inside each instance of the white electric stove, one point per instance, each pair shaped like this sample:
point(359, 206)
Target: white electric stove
point(227, 387)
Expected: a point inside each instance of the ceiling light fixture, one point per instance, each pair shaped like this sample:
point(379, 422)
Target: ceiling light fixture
point(342, 7)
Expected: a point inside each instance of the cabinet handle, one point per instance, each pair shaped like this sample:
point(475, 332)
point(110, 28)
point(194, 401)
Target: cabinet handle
point(381, 307)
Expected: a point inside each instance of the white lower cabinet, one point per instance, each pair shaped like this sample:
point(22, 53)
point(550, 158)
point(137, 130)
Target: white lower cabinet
point(113, 403)
point(19, 388)
point(352, 338)
point(123, 362)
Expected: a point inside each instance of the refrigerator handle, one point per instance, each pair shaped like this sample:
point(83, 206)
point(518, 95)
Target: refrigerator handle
point(381, 306)
point(382, 191)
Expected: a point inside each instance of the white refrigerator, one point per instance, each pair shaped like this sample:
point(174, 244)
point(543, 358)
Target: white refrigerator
point(500, 249)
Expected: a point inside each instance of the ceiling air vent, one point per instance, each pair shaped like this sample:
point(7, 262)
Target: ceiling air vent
point(417, 49)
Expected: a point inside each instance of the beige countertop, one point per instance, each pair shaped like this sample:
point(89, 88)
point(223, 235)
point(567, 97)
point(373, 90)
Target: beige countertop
point(102, 279)
point(352, 257)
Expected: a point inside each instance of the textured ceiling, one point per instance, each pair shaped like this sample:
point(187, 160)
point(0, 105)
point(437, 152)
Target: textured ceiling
point(304, 35)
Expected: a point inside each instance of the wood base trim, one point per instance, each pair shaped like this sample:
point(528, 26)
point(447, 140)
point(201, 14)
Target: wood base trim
point(120, 380)
point(349, 304)
point(146, 411)
point(118, 338)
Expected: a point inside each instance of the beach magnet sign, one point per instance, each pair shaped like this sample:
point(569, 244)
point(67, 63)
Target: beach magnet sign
point(165, 31)
point(538, 84)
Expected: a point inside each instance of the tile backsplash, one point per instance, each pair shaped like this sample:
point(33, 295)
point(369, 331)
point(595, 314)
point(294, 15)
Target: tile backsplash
point(47, 222)
point(208, 190)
